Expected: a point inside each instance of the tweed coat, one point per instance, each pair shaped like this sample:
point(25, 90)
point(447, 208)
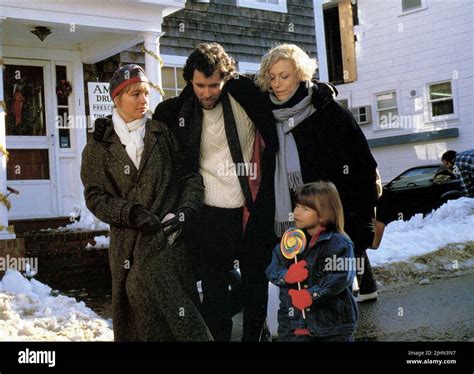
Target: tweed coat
point(154, 296)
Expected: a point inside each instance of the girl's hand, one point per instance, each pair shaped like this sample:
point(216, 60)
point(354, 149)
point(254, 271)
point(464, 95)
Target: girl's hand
point(300, 299)
point(297, 272)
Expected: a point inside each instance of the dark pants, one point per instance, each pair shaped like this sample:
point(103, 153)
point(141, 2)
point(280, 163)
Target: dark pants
point(366, 280)
point(253, 262)
point(216, 238)
point(362, 239)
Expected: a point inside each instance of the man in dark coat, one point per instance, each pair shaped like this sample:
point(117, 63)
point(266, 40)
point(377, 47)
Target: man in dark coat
point(213, 129)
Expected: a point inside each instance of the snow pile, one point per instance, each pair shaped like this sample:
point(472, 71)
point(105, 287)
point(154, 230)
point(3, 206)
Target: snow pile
point(453, 222)
point(100, 242)
point(87, 221)
point(28, 311)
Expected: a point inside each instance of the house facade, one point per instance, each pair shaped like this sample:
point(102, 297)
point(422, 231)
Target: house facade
point(43, 117)
point(413, 87)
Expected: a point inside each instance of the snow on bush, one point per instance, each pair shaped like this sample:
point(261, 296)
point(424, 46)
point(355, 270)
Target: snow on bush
point(87, 221)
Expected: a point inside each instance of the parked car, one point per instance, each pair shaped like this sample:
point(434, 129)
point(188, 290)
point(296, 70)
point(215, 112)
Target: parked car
point(413, 191)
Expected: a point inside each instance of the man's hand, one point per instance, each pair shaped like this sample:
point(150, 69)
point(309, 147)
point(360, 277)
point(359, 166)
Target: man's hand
point(324, 95)
point(100, 127)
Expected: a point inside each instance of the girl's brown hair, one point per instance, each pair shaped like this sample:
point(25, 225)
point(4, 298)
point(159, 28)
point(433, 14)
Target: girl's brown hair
point(324, 199)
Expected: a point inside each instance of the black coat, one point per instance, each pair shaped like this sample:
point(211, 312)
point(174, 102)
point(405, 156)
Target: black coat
point(332, 147)
point(151, 280)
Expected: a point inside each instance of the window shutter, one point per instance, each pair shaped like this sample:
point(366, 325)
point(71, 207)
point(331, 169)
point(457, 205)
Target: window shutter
point(347, 41)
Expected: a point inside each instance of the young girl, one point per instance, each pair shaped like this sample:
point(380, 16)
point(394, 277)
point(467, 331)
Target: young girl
point(134, 181)
point(326, 270)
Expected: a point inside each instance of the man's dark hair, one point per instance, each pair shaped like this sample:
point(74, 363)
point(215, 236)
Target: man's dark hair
point(208, 58)
point(449, 156)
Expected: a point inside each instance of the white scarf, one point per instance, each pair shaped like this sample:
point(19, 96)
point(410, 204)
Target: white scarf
point(131, 135)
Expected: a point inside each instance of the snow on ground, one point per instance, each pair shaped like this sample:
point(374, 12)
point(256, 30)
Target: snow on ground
point(87, 221)
point(453, 222)
point(29, 311)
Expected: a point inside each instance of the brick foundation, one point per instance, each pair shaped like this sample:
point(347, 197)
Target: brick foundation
point(11, 248)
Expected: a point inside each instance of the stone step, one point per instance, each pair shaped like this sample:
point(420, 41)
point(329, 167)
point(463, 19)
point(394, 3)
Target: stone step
point(59, 242)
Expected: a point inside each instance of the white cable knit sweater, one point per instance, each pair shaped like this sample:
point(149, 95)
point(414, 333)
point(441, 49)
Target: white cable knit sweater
point(222, 188)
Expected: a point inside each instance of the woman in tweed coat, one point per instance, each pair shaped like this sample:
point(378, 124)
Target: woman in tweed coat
point(133, 180)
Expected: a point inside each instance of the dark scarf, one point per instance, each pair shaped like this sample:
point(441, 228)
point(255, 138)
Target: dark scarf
point(233, 141)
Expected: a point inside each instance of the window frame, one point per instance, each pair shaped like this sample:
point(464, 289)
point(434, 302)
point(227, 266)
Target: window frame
point(444, 117)
point(175, 62)
point(281, 7)
point(367, 114)
point(376, 123)
point(423, 6)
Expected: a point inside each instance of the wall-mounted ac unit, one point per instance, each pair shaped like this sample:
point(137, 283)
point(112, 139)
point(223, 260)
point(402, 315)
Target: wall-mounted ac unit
point(362, 114)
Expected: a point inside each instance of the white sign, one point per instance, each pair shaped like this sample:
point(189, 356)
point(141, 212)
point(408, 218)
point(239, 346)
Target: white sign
point(100, 103)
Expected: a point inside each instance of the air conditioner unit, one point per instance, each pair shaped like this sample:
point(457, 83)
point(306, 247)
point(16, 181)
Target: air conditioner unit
point(362, 114)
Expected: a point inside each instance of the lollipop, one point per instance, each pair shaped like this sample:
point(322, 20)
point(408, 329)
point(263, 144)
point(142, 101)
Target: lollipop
point(293, 242)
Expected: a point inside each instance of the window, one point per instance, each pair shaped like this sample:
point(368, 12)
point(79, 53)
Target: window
point(413, 178)
point(409, 5)
point(24, 100)
point(340, 44)
point(172, 81)
point(271, 5)
point(387, 110)
point(63, 110)
point(27, 164)
point(440, 100)
point(362, 114)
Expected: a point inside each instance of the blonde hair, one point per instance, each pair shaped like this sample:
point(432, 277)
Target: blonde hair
point(141, 86)
point(324, 199)
point(305, 66)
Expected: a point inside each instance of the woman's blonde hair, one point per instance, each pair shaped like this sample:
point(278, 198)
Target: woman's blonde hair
point(324, 199)
point(141, 86)
point(305, 66)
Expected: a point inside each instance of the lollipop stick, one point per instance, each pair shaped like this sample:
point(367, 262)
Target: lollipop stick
point(299, 289)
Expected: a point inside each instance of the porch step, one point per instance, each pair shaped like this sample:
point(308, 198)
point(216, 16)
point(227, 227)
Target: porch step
point(26, 225)
point(59, 242)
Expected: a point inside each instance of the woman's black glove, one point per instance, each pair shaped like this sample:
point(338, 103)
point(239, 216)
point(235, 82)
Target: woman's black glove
point(324, 94)
point(100, 127)
point(145, 221)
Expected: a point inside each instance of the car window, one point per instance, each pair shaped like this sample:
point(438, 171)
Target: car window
point(414, 178)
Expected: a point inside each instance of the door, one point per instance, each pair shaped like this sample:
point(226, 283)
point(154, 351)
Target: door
point(29, 127)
